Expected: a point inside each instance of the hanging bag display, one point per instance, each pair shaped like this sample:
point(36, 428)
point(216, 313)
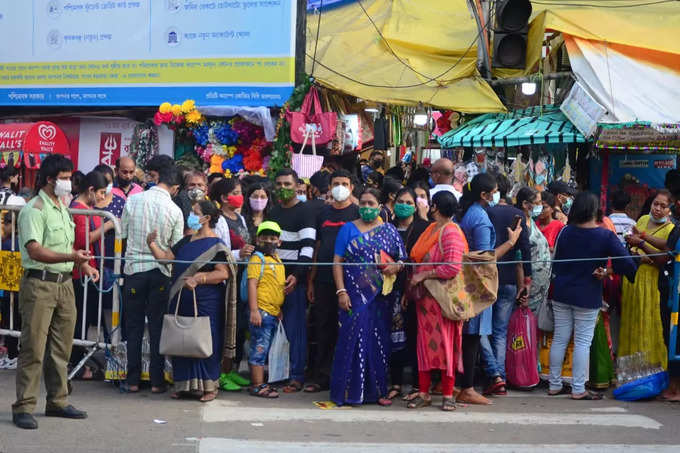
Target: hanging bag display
point(322, 125)
point(186, 336)
point(472, 291)
point(305, 165)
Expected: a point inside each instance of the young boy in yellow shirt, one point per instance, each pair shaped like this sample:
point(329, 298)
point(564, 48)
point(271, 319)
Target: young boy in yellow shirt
point(266, 281)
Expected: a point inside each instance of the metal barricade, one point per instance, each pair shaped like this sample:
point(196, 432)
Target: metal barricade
point(114, 335)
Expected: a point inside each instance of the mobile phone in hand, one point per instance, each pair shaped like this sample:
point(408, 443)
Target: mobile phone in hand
point(515, 222)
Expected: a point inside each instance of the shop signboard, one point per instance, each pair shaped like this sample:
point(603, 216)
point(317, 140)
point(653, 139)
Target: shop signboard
point(641, 137)
point(582, 110)
point(145, 52)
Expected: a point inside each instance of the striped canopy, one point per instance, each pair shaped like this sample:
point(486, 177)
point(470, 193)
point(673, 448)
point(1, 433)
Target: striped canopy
point(521, 127)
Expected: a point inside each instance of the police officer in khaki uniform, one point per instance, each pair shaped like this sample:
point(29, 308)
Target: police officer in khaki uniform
point(46, 299)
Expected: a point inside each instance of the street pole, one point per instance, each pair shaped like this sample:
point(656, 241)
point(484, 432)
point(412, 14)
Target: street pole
point(300, 41)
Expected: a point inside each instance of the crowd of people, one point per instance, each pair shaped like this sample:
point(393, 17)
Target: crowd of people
point(342, 261)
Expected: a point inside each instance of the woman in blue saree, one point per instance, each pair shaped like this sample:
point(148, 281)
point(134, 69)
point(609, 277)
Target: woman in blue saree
point(360, 364)
point(200, 377)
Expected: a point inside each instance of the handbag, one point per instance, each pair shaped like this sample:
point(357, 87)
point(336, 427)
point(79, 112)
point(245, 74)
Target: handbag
point(186, 336)
point(322, 125)
point(305, 165)
point(472, 291)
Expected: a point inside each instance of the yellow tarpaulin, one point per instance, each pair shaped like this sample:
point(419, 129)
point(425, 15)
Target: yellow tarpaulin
point(428, 54)
point(649, 26)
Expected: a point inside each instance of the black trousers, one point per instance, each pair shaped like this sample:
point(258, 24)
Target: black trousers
point(325, 313)
point(11, 343)
point(146, 295)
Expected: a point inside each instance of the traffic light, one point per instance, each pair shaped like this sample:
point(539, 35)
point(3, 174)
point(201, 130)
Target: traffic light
point(510, 34)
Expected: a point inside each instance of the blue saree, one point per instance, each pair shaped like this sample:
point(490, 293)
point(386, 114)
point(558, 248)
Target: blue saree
point(360, 363)
point(199, 375)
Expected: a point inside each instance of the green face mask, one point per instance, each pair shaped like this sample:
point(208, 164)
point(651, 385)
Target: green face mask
point(368, 214)
point(403, 210)
point(284, 194)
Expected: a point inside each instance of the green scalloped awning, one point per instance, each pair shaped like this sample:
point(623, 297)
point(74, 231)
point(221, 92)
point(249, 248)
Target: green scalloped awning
point(531, 126)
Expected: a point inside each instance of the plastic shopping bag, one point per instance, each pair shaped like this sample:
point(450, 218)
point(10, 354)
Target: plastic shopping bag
point(521, 365)
point(279, 356)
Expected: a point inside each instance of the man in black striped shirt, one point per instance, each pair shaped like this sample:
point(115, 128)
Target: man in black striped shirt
point(298, 236)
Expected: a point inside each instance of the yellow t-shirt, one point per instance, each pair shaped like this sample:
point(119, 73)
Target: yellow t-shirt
point(270, 293)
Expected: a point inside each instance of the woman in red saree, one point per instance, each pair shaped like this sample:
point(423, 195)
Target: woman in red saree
point(439, 338)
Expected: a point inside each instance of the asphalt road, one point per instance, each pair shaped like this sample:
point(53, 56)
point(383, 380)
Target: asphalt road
point(523, 422)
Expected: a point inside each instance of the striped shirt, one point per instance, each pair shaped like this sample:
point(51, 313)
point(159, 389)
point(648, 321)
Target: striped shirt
point(298, 235)
point(145, 212)
point(622, 223)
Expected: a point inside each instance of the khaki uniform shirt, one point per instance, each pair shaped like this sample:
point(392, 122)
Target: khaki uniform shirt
point(51, 226)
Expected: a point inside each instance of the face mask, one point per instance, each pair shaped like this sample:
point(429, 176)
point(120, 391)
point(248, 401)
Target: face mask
point(194, 222)
point(235, 201)
point(62, 187)
point(258, 204)
point(566, 206)
point(301, 197)
point(340, 193)
point(150, 184)
point(377, 164)
point(196, 194)
point(123, 183)
point(109, 188)
point(267, 248)
point(658, 221)
point(403, 210)
point(421, 201)
point(284, 194)
point(536, 211)
point(496, 198)
point(368, 214)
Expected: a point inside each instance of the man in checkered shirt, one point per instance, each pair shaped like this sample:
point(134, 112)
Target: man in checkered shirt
point(146, 280)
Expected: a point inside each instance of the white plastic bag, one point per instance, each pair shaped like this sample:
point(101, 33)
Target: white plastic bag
point(279, 356)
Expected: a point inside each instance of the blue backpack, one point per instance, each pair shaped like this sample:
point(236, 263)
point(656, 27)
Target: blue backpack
point(243, 291)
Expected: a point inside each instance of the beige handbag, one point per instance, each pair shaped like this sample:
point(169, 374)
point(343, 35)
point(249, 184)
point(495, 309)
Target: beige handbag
point(186, 336)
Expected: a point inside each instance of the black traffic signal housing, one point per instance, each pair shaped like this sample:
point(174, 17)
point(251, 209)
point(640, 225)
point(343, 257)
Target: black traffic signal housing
point(510, 34)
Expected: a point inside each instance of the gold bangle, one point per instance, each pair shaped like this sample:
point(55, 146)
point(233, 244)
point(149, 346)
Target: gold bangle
point(205, 279)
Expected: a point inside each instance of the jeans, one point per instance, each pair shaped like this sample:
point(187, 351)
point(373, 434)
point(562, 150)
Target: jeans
point(493, 347)
point(261, 339)
point(295, 323)
point(146, 295)
point(582, 322)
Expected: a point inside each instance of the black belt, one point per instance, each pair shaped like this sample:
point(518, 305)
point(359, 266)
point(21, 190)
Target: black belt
point(47, 276)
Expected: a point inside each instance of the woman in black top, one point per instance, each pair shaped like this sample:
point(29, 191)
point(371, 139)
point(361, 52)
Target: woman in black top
point(410, 226)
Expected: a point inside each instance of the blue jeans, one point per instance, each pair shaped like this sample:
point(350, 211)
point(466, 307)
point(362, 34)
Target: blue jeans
point(580, 321)
point(295, 323)
point(261, 338)
point(493, 347)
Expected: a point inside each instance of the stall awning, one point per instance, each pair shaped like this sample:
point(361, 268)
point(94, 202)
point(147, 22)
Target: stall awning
point(531, 126)
point(34, 140)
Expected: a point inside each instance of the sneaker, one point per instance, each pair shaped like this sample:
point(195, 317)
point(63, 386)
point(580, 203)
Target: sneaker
point(238, 379)
point(11, 364)
point(227, 384)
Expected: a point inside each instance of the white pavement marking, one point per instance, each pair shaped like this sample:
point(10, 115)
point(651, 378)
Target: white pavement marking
point(610, 409)
point(221, 445)
point(215, 412)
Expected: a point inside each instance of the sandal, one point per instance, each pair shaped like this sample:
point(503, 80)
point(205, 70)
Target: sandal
point(448, 405)
point(563, 391)
point(159, 390)
point(263, 391)
point(384, 402)
point(497, 388)
point(410, 396)
point(394, 392)
point(588, 396)
point(418, 402)
point(208, 396)
point(292, 387)
point(312, 388)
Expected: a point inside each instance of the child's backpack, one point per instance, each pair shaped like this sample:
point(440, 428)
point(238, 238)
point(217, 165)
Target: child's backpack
point(521, 356)
point(243, 291)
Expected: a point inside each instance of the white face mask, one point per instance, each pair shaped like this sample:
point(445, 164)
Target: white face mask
point(340, 193)
point(109, 188)
point(62, 187)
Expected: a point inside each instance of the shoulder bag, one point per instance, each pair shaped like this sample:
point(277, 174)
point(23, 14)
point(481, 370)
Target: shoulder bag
point(472, 291)
point(186, 336)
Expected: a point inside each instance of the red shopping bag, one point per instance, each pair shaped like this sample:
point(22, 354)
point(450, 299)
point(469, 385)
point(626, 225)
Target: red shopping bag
point(322, 125)
point(521, 357)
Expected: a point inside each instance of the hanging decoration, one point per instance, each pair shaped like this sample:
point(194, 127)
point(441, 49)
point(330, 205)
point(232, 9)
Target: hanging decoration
point(144, 143)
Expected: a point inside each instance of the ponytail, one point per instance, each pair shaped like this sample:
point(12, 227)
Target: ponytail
point(472, 191)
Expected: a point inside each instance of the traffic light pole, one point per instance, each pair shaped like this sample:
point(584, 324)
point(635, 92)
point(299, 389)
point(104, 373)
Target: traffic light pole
point(481, 16)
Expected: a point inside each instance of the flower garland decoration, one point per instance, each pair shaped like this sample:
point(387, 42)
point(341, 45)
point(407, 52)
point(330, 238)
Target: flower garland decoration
point(174, 115)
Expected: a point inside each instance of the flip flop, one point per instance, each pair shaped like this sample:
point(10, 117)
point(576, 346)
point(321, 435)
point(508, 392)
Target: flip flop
point(393, 392)
point(418, 402)
point(563, 391)
point(384, 402)
point(589, 396)
point(312, 388)
point(292, 387)
point(497, 388)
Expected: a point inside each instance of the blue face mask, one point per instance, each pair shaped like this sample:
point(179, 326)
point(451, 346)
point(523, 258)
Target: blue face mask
point(194, 222)
point(658, 221)
point(567, 205)
point(536, 211)
point(302, 198)
point(149, 185)
point(496, 198)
